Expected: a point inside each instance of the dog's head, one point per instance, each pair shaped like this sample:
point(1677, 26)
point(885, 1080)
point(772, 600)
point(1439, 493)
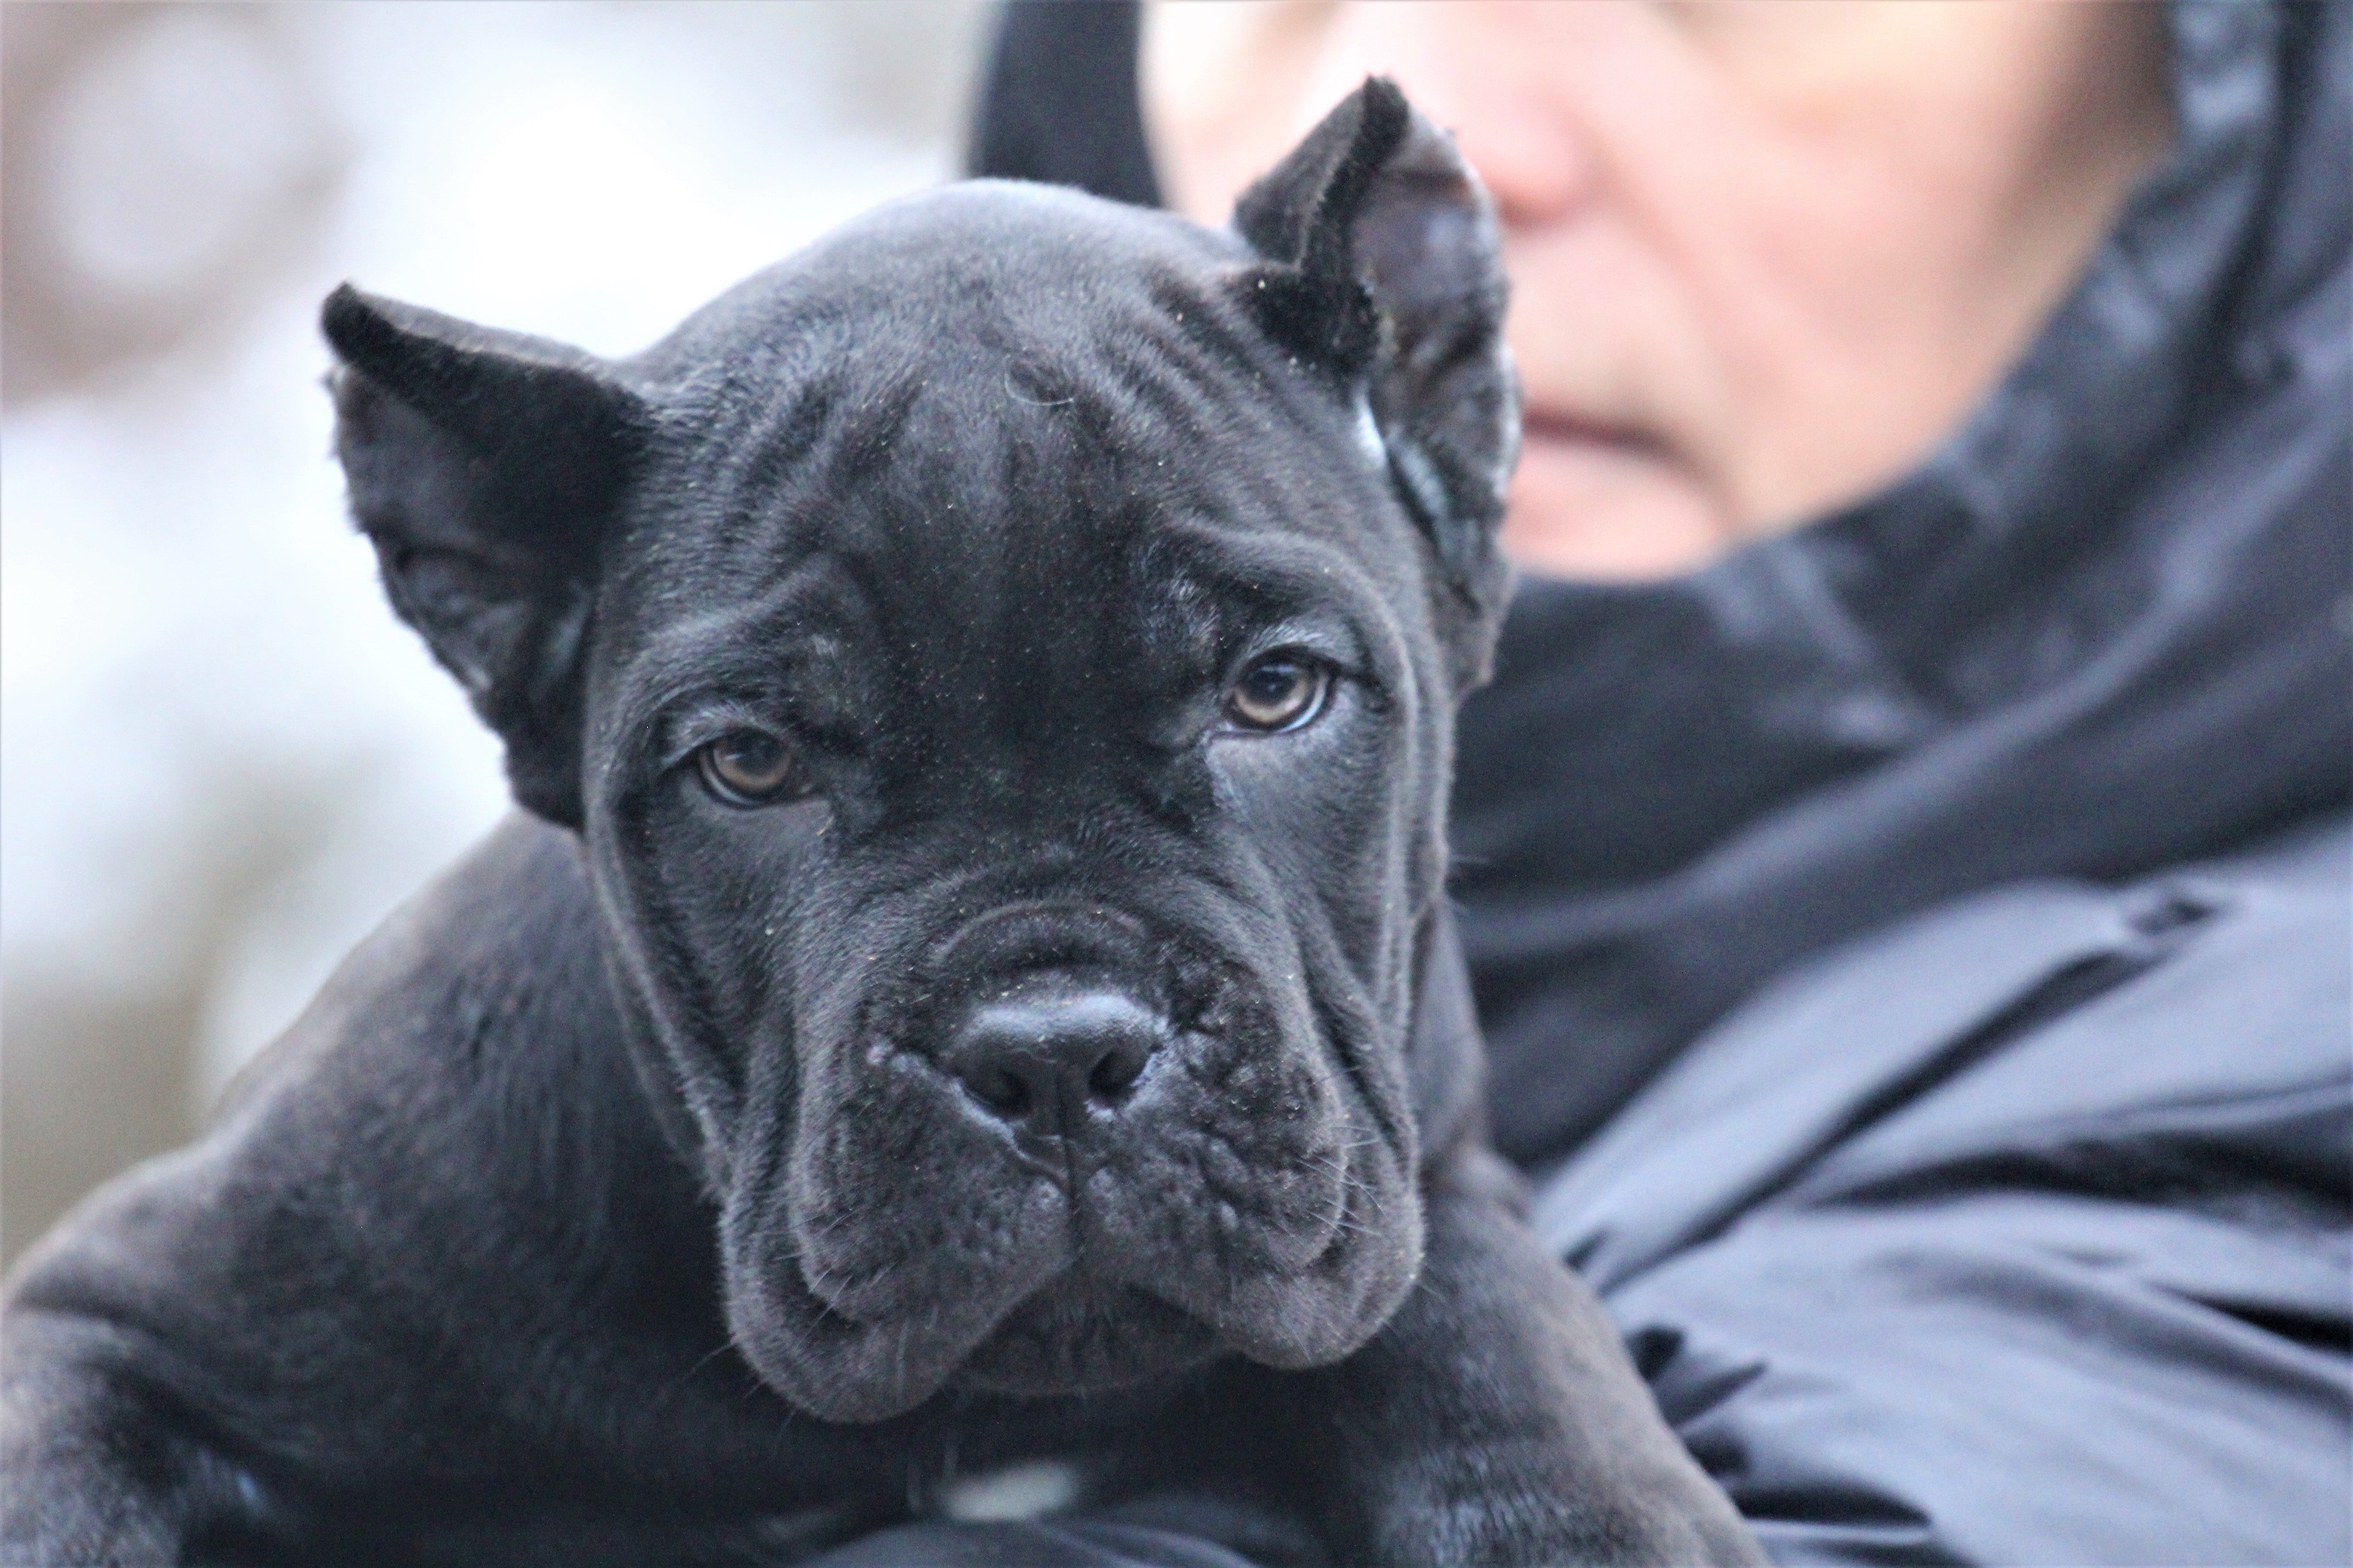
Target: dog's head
point(1001, 663)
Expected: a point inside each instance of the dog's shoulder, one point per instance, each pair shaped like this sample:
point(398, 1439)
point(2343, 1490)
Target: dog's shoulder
point(502, 942)
point(447, 1140)
point(450, 1027)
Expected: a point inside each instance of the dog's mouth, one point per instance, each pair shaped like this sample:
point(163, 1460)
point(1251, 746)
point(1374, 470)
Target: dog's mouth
point(1076, 1337)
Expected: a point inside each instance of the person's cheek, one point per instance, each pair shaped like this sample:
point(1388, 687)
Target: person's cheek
point(1225, 90)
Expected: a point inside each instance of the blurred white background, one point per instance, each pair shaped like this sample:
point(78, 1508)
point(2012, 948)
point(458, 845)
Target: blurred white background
point(221, 760)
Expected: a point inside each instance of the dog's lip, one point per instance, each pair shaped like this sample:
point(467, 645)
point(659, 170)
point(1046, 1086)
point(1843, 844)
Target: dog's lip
point(862, 1365)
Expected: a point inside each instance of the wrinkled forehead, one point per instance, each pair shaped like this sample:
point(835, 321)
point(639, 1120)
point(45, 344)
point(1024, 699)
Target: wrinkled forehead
point(980, 526)
point(1013, 405)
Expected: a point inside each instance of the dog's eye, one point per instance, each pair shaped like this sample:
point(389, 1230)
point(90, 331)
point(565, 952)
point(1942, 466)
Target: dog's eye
point(750, 767)
point(1279, 691)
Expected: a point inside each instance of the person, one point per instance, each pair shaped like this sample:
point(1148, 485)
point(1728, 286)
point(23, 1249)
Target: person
point(1904, 852)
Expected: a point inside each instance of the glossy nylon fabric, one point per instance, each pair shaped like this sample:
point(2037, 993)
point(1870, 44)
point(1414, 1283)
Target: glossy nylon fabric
point(1915, 947)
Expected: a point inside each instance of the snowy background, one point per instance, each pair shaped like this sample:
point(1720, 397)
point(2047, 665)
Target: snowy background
point(221, 760)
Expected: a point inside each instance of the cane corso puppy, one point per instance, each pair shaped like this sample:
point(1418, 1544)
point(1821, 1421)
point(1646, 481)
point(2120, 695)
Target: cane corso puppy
point(974, 988)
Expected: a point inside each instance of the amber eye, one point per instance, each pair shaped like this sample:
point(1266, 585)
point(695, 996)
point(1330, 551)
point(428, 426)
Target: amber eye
point(750, 767)
point(1279, 691)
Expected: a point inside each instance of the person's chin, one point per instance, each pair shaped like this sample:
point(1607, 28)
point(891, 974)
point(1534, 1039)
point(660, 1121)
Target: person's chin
point(1612, 511)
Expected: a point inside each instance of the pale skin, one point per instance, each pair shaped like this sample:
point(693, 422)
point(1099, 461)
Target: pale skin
point(1765, 254)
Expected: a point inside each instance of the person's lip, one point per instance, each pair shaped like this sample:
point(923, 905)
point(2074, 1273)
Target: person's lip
point(1551, 427)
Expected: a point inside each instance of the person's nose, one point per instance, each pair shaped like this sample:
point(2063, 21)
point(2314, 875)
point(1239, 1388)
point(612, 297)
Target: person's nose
point(1458, 64)
point(1537, 169)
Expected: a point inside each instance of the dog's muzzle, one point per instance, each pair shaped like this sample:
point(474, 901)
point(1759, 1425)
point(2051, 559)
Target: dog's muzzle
point(1066, 1151)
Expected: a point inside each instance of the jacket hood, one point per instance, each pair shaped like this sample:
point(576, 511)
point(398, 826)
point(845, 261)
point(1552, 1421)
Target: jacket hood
point(2105, 627)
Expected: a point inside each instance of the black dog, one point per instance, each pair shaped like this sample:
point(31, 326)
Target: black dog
point(986, 996)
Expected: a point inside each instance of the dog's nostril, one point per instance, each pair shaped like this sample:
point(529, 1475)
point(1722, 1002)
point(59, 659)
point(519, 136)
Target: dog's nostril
point(1120, 1068)
point(1038, 1055)
point(1001, 1091)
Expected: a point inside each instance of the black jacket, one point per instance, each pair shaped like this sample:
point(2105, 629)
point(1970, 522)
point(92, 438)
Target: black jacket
point(1916, 948)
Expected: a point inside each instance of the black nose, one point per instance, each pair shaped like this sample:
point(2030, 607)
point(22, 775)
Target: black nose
point(1039, 1057)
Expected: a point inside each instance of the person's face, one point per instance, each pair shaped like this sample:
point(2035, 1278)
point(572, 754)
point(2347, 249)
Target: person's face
point(1763, 256)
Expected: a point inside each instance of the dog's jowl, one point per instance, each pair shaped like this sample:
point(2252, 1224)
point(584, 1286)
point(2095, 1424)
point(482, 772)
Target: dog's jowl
point(971, 993)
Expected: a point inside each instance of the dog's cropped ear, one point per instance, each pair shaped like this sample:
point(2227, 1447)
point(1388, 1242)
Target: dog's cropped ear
point(1384, 265)
point(486, 468)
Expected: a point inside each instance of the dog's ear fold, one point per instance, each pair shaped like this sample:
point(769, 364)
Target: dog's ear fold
point(486, 466)
point(1384, 263)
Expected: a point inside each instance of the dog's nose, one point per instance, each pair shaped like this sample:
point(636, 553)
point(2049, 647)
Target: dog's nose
point(1038, 1057)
